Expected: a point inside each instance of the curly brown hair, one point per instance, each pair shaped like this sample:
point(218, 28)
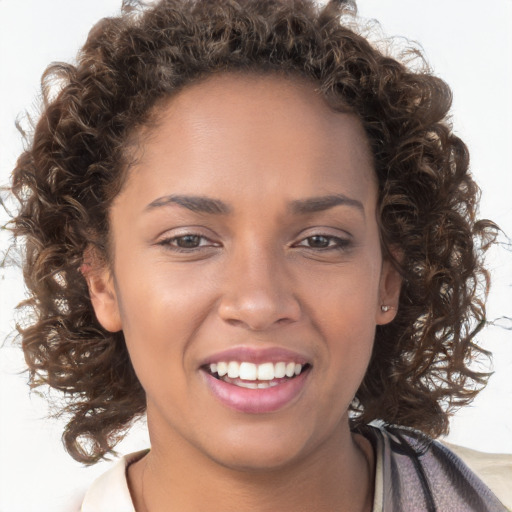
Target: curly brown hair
point(79, 155)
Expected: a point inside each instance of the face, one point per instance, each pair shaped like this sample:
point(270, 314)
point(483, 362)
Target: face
point(245, 241)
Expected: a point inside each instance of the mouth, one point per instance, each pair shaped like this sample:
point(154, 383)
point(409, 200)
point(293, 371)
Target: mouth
point(256, 387)
point(250, 375)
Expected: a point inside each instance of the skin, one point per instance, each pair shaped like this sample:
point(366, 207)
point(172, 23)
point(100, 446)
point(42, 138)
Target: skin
point(256, 278)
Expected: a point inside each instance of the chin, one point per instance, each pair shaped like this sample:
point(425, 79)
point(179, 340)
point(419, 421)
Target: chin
point(264, 450)
point(260, 461)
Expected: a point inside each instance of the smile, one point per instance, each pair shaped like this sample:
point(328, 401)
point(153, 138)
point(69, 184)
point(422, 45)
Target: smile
point(256, 388)
point(255, 376)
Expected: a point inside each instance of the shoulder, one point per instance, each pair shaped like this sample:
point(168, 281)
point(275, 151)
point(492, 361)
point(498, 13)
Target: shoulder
point(110, 492)
point(494, 469)
point(416, 469)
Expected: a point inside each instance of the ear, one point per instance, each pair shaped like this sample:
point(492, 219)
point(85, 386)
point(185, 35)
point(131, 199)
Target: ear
point(101, 290)
point(389, 293)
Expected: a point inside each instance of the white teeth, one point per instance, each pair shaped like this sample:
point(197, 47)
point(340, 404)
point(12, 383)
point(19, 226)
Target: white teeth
point(248, 385)
point(279, 370)
point(233, 370)
point(222, 369)
point(266, 371)
point(252, 385)
point(263, 385)
point(246, 371)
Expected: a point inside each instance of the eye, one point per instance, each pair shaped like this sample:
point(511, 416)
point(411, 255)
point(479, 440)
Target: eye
point(187, 242)
point(324, 242)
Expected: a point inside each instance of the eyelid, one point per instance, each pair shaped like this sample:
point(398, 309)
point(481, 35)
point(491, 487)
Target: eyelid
point(185, 230)
point(170, 236)
point(340, 242)
point(329, 232)
point(322, 235)
point(343, 239)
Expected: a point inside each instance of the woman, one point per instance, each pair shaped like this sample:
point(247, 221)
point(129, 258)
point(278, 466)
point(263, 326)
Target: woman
point(243, 220)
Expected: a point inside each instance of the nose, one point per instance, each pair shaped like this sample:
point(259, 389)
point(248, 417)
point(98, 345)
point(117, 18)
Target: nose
point(258, 292)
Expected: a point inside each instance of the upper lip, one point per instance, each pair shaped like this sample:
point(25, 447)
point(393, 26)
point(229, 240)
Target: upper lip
point(256, 356)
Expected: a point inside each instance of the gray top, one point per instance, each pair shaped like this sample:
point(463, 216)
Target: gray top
point(417, 474)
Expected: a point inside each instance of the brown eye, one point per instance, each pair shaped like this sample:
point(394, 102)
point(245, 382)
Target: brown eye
point(188, 241)
point(325, 243)
point(319, 241)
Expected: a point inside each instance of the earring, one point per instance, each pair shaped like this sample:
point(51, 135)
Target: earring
point(385, 308)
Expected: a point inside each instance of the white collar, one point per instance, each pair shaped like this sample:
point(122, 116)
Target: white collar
point(109, 492)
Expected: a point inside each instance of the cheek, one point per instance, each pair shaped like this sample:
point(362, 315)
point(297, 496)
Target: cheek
point(344, 313)
point(349, 330)
point(160, 309)
point(349, 338)
point(347, 294)
point(159, 290)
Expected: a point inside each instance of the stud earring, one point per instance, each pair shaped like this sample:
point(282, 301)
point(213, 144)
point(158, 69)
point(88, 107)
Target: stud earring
point(385, 308)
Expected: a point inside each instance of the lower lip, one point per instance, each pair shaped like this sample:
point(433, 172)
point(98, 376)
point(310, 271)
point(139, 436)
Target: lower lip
point(257, 401)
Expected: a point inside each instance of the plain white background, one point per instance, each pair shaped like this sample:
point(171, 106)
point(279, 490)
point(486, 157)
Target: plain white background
point(467, 42)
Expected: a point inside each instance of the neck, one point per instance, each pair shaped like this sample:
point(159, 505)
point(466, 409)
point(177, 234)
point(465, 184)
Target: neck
point(337, 476)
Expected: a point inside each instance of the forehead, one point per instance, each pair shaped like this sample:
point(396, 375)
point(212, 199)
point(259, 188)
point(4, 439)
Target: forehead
point(246, 130)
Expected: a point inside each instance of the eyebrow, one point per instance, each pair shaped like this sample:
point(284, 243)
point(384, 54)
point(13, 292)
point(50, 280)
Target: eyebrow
point(203, 204)
point(198, 204)
point(321, 203)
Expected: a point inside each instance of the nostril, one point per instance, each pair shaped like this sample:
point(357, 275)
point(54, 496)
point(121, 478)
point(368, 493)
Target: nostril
point(258, 317)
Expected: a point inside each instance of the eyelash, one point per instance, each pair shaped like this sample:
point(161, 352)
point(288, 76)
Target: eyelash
point(340, 244)
point(168, 243)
